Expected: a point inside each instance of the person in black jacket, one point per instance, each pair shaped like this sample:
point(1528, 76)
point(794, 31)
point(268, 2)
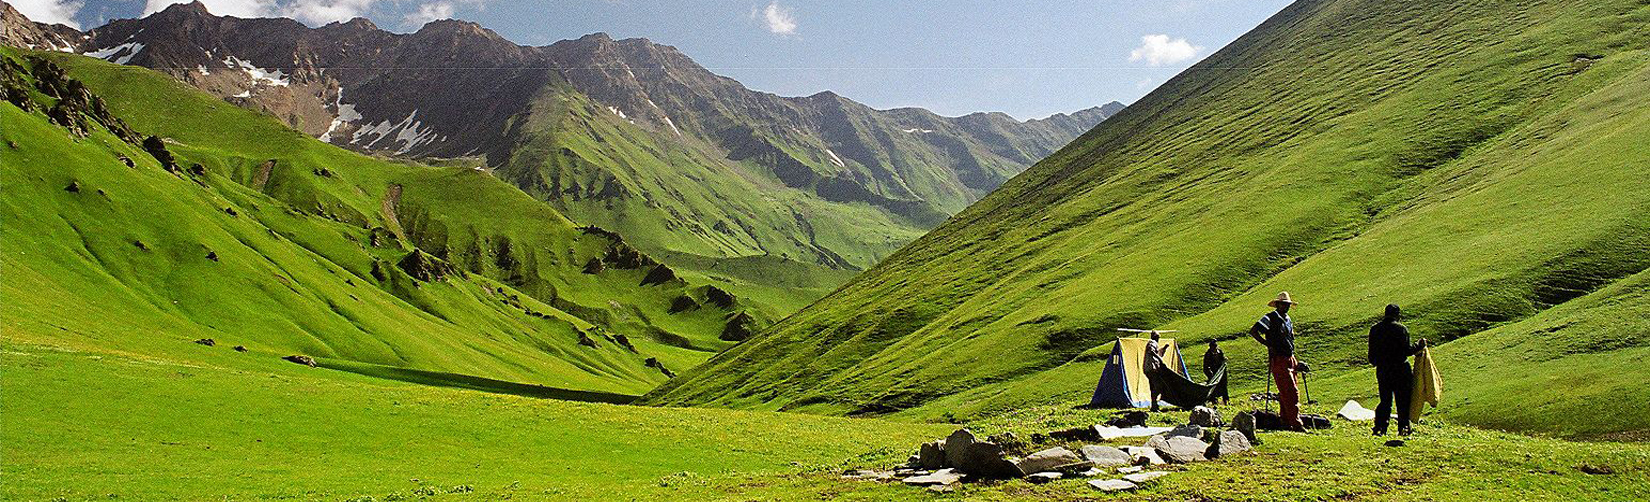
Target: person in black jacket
point(1213, 359)
point(1389, 352)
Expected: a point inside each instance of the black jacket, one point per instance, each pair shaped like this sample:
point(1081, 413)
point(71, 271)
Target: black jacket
point(1389, 344)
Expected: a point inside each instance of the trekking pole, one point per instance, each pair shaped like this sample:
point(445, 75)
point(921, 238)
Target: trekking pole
point(1306, 384)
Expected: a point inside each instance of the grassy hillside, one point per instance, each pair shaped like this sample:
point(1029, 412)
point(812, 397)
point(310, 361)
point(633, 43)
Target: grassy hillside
point(1474, 161)
point(262, 237)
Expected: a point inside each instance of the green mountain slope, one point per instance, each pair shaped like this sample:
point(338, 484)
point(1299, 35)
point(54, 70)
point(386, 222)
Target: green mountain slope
point(1477, 162)
point(263, 237)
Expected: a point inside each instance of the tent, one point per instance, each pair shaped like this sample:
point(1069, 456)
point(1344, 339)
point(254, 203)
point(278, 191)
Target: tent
point(1123, 383)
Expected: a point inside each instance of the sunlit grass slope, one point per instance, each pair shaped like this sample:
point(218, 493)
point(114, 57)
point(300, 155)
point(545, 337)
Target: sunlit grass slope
point(287, 245)
point(1478, 162)
point(84, 423)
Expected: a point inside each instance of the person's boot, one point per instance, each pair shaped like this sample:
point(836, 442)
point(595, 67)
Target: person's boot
point(1378, 431)
point(1404, 431)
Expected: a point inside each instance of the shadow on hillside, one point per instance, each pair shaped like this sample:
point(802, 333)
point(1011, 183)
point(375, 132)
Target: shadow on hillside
point(454, 380)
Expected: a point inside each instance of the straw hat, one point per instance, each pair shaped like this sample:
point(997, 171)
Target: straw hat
point(1282, 298)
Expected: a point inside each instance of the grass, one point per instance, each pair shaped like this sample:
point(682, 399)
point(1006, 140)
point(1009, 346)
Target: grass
point(306, 252)
point(208, 424)
point(1453, 157)
point(87, 423)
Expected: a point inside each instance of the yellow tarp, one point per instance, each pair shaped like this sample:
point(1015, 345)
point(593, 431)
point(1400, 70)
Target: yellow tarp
point(1133, 363)
point(1428, 386)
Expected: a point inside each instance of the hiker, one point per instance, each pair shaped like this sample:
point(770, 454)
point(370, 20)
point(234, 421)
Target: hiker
point(1277, 332)
point(1213, 359)
point(1154, 367)
point(1389, 352)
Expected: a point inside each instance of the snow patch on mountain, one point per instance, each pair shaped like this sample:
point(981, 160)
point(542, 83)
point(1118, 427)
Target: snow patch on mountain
point(346, 114)
point(275, 78)
point(244, 94)
point(835, 159)
point(409, 131)
point(916, 130)
point(118, 54)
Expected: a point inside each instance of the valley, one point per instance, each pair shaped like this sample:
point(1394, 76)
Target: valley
point(252, 259)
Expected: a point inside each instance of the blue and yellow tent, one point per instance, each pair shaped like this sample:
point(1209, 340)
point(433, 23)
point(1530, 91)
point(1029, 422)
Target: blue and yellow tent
point(1123, 382)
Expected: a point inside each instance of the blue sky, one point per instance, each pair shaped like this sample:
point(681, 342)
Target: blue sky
point(1028, 58)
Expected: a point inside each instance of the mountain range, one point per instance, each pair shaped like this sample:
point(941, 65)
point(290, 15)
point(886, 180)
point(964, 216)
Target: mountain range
point(629, 135)
point(1481, 165)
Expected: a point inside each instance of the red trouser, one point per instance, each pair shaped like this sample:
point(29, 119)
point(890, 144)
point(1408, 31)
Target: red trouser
point(1289, 399)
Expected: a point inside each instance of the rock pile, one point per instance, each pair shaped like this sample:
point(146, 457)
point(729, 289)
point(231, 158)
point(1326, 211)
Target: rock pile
point(962, 456)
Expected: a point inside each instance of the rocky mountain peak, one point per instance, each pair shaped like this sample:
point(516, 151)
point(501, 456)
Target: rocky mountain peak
point(191, 9)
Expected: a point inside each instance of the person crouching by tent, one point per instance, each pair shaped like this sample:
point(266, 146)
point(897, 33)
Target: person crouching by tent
point(1277, 332)
point(1213, 360)
point(1389, 352)
point(1154, 367)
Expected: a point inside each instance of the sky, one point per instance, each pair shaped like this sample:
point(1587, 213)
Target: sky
point(1028, 58)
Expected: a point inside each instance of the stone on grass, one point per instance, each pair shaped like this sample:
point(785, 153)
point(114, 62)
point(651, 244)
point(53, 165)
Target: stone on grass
point(1205, 416)
point(1052, 459)
point(942, 488)
point(1112, 485)
point(931, 455)
point(301, 359)
point(1144, 455)
point(1141, 478)
point(207, 342)
point(1228, 443)
point(1179, 449)
point(1092, 472)
point(1106, 456)
point(1043, 477)
point(957, 445)
point(940, 477)
point(1188, 430)
point(868, 474)
point(1130, 469)
point(1245, 423)
point(985, 459)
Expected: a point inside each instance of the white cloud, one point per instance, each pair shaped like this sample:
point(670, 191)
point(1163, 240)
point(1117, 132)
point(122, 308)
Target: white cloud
point(237, 8)
point(779, 20)
point(318, 12)
point(49, 11)
point(1159, 50)
point(428, 12)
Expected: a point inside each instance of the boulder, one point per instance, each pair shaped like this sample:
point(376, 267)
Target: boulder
point(940, 477)
point(1205, 416)
point(1144, 455)
point(1228, 443)
point(956, 445)
point(1112, 485)
point(931, 455)
point(1106, 456)
point(1179, 449)
point(1188, 430)
point(1245, 423)
point(300, 359)
point(1129, 419)
point(1316, 421)
point(1043, 477)
point(985, 459)
point(207, 342)
point(240, 348)
point(1141, 478)
point(1052, 459)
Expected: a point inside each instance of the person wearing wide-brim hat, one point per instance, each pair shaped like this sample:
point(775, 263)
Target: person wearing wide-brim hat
point(1276, 331)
